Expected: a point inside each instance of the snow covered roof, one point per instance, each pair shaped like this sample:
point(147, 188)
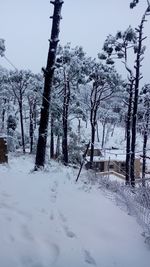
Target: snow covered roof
point(112, 154)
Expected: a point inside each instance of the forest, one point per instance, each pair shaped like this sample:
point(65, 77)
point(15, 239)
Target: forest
point(59, 119)
point(78, 87)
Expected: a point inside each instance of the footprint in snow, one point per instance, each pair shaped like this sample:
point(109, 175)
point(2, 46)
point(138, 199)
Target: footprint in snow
point(54, 192)
point(51, 216)
point(88, 258)
point(68, 232)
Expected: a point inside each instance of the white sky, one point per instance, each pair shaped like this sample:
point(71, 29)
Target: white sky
point(25, 25)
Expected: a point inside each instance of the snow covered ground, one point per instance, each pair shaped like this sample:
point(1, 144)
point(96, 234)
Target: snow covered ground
point(48, 220)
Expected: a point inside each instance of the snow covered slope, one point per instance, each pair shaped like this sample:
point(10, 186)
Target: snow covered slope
point(48, 220)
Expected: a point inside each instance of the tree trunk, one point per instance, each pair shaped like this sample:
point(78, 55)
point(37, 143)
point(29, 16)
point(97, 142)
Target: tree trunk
point(49, 72)
point(103, 134)
point(97, 131)
point(135, 105)
point(58, 146)
point(93, 121)
point(112, 133)
point(3, 115)
point(35, 114)
point(31, 131)
point(92, 144)
point(128, 133)
point(52, 137)
point(65, 120)
point(22, 126)
point(79, 130)
point(145, 137)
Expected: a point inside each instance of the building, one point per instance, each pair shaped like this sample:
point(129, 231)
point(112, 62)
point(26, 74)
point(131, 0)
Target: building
point(111, 161)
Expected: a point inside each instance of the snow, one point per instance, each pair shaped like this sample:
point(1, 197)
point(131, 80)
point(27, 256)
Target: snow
point(113, 177)
point(110, 154)
point(46, 219)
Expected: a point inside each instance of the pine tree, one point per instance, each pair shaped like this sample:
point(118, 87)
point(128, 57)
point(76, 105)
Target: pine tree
point(145, 120)
point(48, 73)
point(105, 82)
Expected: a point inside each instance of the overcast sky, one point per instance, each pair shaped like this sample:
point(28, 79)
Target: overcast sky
point(25, 25)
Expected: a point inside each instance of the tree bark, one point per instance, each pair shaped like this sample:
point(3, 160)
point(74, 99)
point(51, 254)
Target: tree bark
point(58, 146)
point(103, 134)
point(65, 120)
point(35, 114)
point(135, 105)
point(145, 137)
point(3, 115)
point(49, 72)
point(128, 133)
point(52, 137)
point(31, 131)
point(22, 126)
point(79, 130)
point(95, 102)
point(97, 131)
point(92, 144)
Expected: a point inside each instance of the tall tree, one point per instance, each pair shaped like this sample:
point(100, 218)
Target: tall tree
point(105, 82)
point(48, 73)
point(135, 40)
point(145, 121)
point(139, 57)
point(34, 101)
point(70, 63)
point(19, 81)
point(119, 47)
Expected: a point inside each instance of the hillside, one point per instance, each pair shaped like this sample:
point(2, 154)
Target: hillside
point(48, 220)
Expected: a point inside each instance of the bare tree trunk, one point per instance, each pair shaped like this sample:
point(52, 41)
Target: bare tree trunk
point(48, 72)
point(58, 146)
point(97, 131)
point(79, 130)
point(22, 126)
point(145, 145)
point(135, 104)
point(3, 114)
point(31, 131)
point(52, 137)
point(65, 120)
point(92, 144)
point(86, 120)
point(35, 115)
point(128, 133)
point(112, 133)
point(103, 134)
point(93, 120)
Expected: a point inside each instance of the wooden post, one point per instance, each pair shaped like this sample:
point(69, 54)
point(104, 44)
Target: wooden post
point(84, 157)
